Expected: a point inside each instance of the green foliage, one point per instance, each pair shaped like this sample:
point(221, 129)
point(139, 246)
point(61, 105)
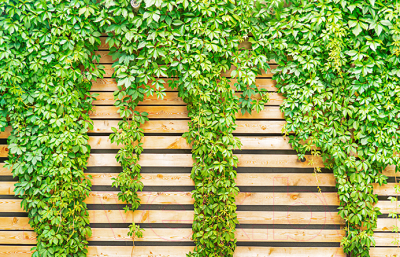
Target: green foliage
point(192, 42)
point(46, 65)
point(339, 69)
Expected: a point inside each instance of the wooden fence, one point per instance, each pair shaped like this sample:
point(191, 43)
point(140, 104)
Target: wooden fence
point(280, 210)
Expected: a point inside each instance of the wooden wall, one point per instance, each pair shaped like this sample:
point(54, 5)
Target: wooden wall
point(280, 210)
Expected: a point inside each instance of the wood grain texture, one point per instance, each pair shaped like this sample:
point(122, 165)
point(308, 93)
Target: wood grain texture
point(184, 235)
point(177, 112)
point(243, 198)
point(181, 126)
point(181, 251)
point(185, 160)
point(186, 217)
point(172, 98)
point(109, 84)
point(9, 205)
point(177, 142)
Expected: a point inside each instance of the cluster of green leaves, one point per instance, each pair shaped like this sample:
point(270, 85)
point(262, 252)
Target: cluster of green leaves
point(191, 43)
point(46, 65)
point(339, 70)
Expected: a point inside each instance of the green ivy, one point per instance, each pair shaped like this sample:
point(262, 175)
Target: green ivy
point(339, 70)
point(46, 65)
point(191, 43)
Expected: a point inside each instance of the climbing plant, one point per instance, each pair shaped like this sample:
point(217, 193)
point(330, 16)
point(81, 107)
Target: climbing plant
point(46, 64)
point(191, 43)
point(339, 71)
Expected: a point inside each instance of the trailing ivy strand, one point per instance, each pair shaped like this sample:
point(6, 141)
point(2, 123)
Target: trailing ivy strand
point(187, 45)
point(339, 71)
point(46, 64)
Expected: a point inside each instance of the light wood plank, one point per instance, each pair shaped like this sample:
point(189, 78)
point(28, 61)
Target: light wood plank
point(181, 126)
point(243, 198)
point(186, 217)
point(181, 251)
point(177, 142)
point(109, 70)
point(384, 252)
point(184, 235)
point(185, 160)
point(172, 98)
point(109, 84)
point(177, 112)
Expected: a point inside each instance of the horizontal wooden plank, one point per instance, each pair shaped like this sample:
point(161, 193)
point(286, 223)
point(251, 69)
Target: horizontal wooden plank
point(109, 84)
point(177, 112)
point(181, 251)
point(185, 160)
point(109, 70)
point(178, 142)
point(384, 252)
point(184, 235)
point(243, 198)
point(172, 98)
point(186, 217)
point(181, 126)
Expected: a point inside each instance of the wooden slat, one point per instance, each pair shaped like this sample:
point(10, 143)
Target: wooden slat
point(181, 251)
point(7, 188)
point(186, 217)
point(177, 112)
point(109, 70)
point(185, 160)
point(385, 252)
point(9, 205)
point(243, 198)
point(172, 98)
point(184, 235)
point(243, 179)
point(181, 126)
point(109, 84)
point(177, 142)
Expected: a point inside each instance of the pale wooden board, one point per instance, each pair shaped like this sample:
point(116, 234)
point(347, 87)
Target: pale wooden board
point(109, 84)
point(178, 142)
point(178, 198)
point(185, 160)
point(7, 188)
point(177, 112)
point(186, 217)
point(181, 251)
point(184, 235)
point(172, 98)
point(181, 126)
point(109, 70)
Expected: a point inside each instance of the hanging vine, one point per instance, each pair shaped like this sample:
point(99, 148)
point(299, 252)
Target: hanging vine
point(46, 64)
point(191, 43)
point(339, 70)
